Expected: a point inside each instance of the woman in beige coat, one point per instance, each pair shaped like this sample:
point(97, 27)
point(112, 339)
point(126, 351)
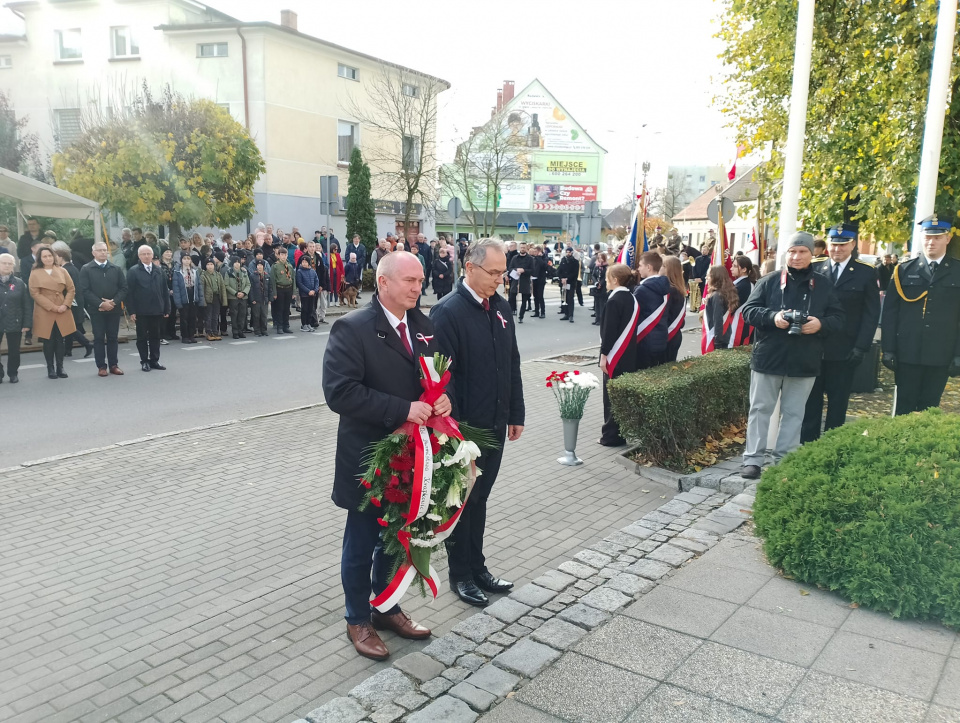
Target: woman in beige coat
point(52, 290)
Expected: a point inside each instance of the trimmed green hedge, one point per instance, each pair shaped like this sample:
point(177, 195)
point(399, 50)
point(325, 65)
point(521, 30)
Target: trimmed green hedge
point(671, 409)
point(368, 281)
point(872, 510)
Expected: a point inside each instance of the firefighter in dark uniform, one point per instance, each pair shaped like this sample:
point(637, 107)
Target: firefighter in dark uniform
point(855, 283)
point(920, 326)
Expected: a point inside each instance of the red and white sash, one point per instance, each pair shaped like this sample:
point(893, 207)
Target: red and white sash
point(646, 326)
point(677, 324)
point(623, 342)
point(707, 341)
point(736, 328)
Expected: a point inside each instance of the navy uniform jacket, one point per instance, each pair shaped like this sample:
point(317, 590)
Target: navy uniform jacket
point(859, 294)
point(370, 380)
point(921, 316)
point(484, 359)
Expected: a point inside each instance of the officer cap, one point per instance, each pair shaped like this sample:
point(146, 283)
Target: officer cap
point(936, 224)
point(840, 235)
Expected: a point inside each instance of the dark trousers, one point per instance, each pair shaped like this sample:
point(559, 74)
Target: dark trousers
point(170, 323)
point(223, 319)
point(539, 308)
point(212, 317)
point(308, 311)
point(599, 302)
point(919, 387)
point(79, 336)
point(53, 348)
point(188, 320)
point(281, 308)
point(835, 380)
point(465, 544)
point(13, 352)
point(673, 347)
point(648, 358)
point(610, 431)
point(148, 337)
point(106, 327)
point(364, 568)
point(580, 292)
point(258, 317)
point(238, 315)
point(524, 304)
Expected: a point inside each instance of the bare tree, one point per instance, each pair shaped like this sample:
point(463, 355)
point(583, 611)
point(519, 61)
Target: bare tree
point(401, 113)
point(491, 157)
point(669, 200)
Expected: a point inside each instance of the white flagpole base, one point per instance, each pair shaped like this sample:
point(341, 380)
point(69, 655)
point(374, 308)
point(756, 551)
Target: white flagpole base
point(570, 459)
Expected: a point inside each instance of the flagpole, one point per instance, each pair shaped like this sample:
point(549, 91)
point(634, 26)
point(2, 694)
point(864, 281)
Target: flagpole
point(793, 157)
point(936, 110)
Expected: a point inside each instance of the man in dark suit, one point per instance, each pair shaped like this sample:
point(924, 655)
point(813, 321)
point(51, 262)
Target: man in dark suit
point(148, 301)
point(104, 287)
point(16, 314)
point(920, 327)
point(475, 330)
point(855, 283)
point(371, 378)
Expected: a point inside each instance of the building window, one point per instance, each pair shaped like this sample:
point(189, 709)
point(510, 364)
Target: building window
point(68, 126)
point(703, 179)
point(411, 154)
point(411, 90)
point(345, 71)
point(212, 50)
point(733, 237)
point(123, 43)
point(347, 138)
point(6, 61)
point(68, 45)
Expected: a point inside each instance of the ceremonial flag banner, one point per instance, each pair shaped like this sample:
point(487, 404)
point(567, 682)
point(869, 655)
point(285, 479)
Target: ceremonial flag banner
point(732, 173)
point(628, 251)
point(418, 478)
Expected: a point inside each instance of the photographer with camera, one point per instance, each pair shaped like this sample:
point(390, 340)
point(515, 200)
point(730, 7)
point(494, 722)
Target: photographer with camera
point(791, 311)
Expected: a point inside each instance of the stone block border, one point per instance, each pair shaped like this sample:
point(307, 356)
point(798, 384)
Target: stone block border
point(486, 657)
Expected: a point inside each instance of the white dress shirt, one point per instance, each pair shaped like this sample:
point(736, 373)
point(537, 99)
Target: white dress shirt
point(842, 265)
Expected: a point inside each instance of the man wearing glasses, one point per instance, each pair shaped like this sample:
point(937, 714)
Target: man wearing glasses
point(474, 328)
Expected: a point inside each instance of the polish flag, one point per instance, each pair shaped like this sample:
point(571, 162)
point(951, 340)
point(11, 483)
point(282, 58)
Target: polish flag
point(732, 173)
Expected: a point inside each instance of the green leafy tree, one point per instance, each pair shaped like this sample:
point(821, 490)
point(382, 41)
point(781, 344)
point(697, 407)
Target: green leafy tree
point(361, 218)
point(165, 161)
point(868, 90)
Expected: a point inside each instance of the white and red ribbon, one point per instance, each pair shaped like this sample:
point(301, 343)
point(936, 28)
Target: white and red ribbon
point(424, 339)
point(647, 325)
point(707, 340)
point(677, 324)
point(623, 341)
point(502, 320)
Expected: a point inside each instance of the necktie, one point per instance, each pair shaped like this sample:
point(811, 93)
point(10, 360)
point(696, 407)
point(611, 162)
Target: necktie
point(402, 329)
point(836, 272)
point(933, 267)
point(486, 304)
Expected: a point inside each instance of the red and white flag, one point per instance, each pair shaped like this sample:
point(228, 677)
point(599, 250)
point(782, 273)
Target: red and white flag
point(732, 173)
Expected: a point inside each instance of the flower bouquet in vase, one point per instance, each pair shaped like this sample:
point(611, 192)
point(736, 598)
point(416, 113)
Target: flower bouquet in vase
point(571, 389)
point(418, 478)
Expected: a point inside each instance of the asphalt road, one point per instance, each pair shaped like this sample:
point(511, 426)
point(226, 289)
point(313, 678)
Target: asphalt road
point(205, 384)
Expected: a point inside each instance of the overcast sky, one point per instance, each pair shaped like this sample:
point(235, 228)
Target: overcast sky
point(615, 65)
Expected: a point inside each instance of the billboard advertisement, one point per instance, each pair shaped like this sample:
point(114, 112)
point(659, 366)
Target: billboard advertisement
point(537, 121)
point(566, 168)
point(556, 197)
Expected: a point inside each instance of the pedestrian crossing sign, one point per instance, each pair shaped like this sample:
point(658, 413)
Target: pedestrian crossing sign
point(522, 227)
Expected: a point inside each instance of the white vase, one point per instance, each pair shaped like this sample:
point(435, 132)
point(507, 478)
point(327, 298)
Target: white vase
point(571, 427)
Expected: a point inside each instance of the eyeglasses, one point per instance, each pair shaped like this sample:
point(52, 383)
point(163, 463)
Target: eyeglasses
point(495, 274)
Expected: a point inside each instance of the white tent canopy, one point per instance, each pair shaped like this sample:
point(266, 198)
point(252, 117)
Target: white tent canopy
point(35, 198)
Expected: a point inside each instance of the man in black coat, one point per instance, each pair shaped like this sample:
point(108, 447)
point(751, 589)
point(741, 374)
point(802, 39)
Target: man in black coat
point(104, 287)
point(522, 263)
point(855, 283)
point(474, 328)
point(568, 271)
point(16, 314)
point(786, 354)
point(920, 327)
point(538, 281)
point(371, 378)
point(148, 301)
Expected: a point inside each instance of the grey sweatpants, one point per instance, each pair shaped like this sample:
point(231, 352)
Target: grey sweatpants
point(765, 390)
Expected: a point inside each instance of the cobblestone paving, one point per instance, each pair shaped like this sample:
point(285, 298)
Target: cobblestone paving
point(195, 577)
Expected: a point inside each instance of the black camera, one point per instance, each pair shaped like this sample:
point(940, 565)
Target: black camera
point(796, 319)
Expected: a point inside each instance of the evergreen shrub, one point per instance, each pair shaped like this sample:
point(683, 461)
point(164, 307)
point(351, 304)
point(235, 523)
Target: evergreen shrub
point(368, 281)
point(872, 511)
point(671, 409)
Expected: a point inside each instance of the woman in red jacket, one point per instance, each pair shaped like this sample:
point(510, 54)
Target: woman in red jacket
point(336, 272)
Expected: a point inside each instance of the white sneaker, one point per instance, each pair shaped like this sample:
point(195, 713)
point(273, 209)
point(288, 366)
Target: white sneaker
point(164, 342)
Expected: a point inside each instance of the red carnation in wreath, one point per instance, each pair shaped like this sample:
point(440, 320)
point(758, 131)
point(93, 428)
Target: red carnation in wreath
point(383, 522)
point(396, 496)
point(374, 501)
point(401, 463)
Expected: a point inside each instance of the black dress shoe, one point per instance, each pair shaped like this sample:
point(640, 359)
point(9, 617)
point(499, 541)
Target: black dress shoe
point(470, 593)
point(489, 583)
point(14, 379)
point(145, 367)
point(158, 366)
point(89, 351)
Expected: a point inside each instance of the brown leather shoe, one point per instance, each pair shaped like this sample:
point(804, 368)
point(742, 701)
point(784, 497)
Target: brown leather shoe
point(367, 642)
point(401, 624)
point(102, 373)
point(116, 370)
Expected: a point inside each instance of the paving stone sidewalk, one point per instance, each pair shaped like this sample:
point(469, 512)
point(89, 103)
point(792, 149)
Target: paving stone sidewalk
point(195, 577)
point(676, 617)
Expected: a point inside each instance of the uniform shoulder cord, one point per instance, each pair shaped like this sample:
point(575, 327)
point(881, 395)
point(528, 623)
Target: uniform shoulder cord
point(896, 281)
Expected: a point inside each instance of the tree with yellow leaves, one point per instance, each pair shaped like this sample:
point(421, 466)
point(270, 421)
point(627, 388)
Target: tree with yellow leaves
point(170, 160)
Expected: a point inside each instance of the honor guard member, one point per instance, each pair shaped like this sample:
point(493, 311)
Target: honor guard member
point(856, 286)
point(920, 325)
